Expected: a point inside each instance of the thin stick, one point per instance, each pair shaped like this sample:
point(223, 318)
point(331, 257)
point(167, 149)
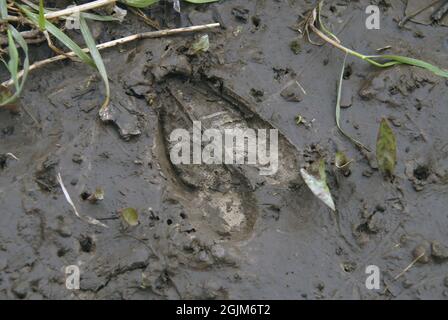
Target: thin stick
point(405, 270)
point(77, 9)
point(409, 266)
point(139, 36)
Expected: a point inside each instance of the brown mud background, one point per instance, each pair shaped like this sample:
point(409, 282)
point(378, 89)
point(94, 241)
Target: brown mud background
point(225, 232)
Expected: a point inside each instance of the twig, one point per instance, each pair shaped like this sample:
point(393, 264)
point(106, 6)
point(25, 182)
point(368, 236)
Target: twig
point(77, 9)
point(405, 270)
point(139, 36)
point(409, 266)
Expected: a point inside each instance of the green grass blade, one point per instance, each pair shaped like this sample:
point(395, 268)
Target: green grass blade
point(322, 24)
point(18, 38)
point(13, 63)
point(14, 38)
point(376, 60)
point(61, 36)
point(41, 15)
point(90, 42)
point(410, 61)
point(338, 109)
point(3, 9)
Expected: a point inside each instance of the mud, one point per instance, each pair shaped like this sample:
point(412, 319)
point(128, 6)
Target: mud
point(224, 231)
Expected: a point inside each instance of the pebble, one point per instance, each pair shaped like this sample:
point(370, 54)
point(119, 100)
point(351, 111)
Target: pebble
point(420, 251)
point(439, 251)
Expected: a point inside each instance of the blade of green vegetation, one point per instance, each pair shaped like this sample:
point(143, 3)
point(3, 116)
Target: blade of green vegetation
point(41, 15)
point(338, 109)
point(391, 60)
point(13, 63)
point(90, 42)
point(316, 180)
point(14, 38)
point(386, 149)
point(139, 3)
point(61, 36)
point(409, 61)
point(130, 216)
point(322, 24)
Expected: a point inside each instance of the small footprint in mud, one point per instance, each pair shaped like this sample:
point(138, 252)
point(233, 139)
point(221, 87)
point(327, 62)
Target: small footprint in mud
point(220, 197)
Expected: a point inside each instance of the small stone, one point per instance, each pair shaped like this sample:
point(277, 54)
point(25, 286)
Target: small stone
point(64, 231)
point(420, 251)
point(439, 251)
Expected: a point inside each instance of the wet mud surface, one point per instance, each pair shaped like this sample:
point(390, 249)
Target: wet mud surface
point(225, 231)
